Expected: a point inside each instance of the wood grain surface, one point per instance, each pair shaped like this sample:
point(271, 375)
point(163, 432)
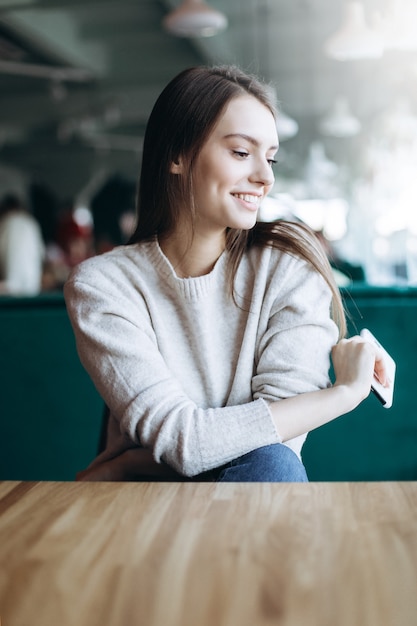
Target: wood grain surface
point(206, 554)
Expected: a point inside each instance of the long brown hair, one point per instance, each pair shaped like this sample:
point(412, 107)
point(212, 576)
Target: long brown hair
point(182, 119)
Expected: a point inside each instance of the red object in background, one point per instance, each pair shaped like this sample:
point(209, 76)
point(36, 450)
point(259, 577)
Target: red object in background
point(75, 239)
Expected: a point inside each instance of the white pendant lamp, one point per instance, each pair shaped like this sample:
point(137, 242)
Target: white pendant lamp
point(194, 18)
point(340, 122)
point(354, 39)
point(399, 123)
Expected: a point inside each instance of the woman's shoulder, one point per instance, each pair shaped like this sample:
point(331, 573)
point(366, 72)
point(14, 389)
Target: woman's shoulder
point(125, 272)
point(122, 275)
point(273, 259)
point(117, 261)
point(280, 270)
point(289, 244)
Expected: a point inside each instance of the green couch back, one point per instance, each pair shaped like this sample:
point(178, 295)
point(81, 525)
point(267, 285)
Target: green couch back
point(50, 412)
point(373, 443)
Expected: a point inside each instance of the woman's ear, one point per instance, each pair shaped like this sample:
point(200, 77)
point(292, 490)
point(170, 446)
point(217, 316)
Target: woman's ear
point(176, 166)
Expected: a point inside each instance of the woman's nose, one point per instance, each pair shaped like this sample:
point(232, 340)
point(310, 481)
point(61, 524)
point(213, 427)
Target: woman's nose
point(263, 173)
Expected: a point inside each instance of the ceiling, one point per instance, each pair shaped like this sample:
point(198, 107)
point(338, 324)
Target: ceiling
point(78, 77)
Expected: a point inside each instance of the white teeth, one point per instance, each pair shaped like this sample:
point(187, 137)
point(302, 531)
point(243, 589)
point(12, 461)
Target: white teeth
point(247, 197)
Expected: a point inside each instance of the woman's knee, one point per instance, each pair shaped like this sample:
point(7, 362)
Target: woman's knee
point(274, 463)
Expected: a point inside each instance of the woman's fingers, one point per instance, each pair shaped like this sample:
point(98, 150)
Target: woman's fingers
point(380, 369)
point(357, 360)
point(354, 362)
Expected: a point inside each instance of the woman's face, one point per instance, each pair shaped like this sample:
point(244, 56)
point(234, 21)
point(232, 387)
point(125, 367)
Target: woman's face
point(233, 171)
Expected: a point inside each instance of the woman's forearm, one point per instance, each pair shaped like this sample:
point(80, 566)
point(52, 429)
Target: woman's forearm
point(299, 414)
point(355, 362)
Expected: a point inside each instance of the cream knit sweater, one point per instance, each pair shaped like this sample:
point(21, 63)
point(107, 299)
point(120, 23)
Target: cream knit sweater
point(184, 370)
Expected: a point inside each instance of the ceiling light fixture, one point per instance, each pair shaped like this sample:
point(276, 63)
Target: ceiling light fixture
point(340, 122)
point(354, 39)
point(194, 18)
point(398, 123)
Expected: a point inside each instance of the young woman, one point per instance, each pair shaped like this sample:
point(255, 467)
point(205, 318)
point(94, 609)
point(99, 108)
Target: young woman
point(209, 335)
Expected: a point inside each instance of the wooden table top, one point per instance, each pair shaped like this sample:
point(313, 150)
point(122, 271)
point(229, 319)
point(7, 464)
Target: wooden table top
point(207, 554)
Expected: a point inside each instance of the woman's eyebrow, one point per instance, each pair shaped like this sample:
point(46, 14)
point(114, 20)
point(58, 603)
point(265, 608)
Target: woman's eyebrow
point(251, 140)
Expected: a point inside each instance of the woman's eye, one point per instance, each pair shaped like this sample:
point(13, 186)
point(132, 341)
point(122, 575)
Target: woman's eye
point(240, 154)
point(272, 162)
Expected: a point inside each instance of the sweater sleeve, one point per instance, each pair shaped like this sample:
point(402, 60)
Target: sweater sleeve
point(296, 337)
point(297, 334)
point(119, 350)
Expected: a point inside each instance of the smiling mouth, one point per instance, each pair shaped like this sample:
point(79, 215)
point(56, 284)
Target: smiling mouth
point(247, 197)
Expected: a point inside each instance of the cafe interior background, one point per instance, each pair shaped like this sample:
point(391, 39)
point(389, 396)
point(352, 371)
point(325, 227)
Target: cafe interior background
point(78, 79)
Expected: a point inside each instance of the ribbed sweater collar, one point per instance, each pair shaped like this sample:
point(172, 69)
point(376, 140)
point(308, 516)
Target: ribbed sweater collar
point(191, 288)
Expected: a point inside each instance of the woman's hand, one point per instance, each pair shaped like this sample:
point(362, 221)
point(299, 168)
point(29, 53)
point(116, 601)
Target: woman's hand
point(355, 362)
point(133, 464)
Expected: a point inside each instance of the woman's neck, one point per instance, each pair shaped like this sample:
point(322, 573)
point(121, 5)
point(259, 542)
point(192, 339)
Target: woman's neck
point(192, 257)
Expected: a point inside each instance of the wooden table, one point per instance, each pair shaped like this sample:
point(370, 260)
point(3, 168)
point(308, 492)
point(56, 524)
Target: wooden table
point(205, 554)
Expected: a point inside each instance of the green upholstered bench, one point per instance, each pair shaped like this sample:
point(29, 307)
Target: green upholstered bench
point(373, 443)
point(50, 412)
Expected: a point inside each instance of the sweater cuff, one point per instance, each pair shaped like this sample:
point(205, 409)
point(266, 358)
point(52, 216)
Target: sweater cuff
point(274, 426)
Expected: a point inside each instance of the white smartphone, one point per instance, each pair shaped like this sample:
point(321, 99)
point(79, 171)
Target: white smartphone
point(384, 394)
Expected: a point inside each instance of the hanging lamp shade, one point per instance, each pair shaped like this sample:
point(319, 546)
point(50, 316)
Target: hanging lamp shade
point(398, 123)
point(194, 18)
point(340, 122)
point(354, 39)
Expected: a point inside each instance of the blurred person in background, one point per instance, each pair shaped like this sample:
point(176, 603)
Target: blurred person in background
point(73, 243)
point(22, 249)
point(114, 216)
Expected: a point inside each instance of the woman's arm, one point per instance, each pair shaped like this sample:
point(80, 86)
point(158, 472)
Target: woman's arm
point(354, 361)
point(119, 349)
point(297, 337)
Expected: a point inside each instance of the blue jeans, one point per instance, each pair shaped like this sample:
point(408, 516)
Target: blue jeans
point(270, 464)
